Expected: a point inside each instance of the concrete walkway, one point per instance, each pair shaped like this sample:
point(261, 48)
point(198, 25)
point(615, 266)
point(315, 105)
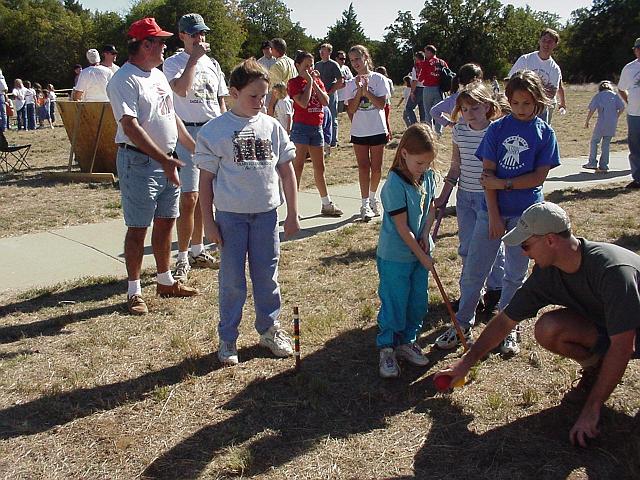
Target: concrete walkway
point(47, 258)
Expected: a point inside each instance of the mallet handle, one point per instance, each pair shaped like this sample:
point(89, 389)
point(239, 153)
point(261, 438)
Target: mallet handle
point(452, 314)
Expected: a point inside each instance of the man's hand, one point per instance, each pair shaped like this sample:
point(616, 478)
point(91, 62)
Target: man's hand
point(585, 428)
point(496, 227)
point(212, 232)
point(170, 167)
point(199, 50)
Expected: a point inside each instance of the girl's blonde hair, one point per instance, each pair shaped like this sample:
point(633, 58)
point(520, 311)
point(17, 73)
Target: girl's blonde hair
point(280, 90)
point(364, 53)
point(528, 81)
point(477, 92)
point(418, 138)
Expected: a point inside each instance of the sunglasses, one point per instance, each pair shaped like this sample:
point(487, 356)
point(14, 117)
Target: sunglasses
point(527, 246)
point(197, 34)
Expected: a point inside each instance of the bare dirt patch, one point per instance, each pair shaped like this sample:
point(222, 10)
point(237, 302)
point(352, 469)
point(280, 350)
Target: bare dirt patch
point(86, 391)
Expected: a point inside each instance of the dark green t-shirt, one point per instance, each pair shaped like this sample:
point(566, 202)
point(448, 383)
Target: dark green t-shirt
point(330, 72)
point(604, 289)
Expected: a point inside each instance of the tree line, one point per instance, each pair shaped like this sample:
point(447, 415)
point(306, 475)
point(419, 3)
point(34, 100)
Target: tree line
point(41, 40)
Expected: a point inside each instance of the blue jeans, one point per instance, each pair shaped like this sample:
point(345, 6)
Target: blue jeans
point(431, 96)
point(22, 118)
point(468, 205)
point(633, 124)
point(404, 301)
point(253, 236)
point(3, 112)
point(31, 116)
point(480, 258)
point(604, 155)
point(333, 108)
point(52, 111)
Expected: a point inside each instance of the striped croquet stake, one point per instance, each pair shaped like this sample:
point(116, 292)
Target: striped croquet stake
point(296, 337)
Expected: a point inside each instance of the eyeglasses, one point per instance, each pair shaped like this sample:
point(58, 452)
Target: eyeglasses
point(197, 34)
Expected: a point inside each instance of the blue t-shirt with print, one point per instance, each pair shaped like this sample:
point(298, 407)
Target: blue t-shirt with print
point(399, 195)
point(518, 148)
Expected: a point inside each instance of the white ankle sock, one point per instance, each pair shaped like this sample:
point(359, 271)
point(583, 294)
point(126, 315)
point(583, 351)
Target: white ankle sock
point(365, 202)
point(134, 288)
point(183, 255)
point(372, 196)
point(326, 200)
point(165, 278)
point(197, 249)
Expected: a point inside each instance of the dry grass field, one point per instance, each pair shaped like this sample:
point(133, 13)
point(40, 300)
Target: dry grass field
point(34, 203)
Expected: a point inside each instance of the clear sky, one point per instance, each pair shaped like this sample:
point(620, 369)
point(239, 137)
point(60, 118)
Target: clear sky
point(374, 15)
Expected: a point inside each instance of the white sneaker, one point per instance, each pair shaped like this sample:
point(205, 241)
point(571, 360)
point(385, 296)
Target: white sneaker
point(412, 353)
point(182, 270)
point(509, 345)
point(366, 213)
point(375, 206)
point(227, 353)
point(449, 339)
point(204, 260)
point(389, 367)
point(278, 341)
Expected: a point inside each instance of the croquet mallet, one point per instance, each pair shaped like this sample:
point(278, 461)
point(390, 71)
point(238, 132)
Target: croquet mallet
point(452, 314)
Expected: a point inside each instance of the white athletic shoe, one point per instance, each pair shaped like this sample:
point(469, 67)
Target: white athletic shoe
point(366, 213)
point(509, 345)
point(227, 353)
point(278, 341)
point(412, 353)
point(389, 367)
point(449, 339)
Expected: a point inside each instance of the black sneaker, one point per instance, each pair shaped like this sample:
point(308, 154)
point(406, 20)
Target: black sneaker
point(634, 184)
point(491, 299)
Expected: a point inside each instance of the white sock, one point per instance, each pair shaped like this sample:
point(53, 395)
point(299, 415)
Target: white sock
point(197, 249)
point(182, 255)
point(365, 202)
point(134, 288)
point(165, 278)
point(326, 200)
point(372, 196)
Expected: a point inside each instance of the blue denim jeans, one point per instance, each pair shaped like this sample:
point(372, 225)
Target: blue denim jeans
point(3, 113)
point(22, 118)
point(633, 124)
point(333, 108)
point(52, 111)
point(604, 154)
point(31, 116)
point(252, 236)
point(404, 301)
point(431, 96)
point(468, 205)
point(480, 258)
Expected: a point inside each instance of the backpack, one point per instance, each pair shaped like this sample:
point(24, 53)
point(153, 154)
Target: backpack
point(446, 78)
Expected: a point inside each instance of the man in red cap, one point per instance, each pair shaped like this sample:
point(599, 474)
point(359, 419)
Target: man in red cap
point(148, 131)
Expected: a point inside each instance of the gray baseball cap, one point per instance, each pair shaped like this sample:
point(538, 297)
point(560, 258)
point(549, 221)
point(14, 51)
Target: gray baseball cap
point(192, 23)
point(539, 219)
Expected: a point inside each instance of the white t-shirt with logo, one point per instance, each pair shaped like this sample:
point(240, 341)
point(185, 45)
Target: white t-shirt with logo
point(147, 97)
point(92, 82)
point(548, 71)
point(18, 97)
point(243, 154)
point(630, 81)
point(346, 75)
point(284, 110)
point(368, 120)
point(201, 103)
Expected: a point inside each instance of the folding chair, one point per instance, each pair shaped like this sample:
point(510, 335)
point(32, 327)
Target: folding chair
point(13, 157)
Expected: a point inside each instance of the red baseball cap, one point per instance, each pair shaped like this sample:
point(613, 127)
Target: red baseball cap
point(145, 28)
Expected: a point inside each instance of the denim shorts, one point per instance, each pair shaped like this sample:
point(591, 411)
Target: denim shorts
point(189, 174)
point(145, 191)
point(303, 134)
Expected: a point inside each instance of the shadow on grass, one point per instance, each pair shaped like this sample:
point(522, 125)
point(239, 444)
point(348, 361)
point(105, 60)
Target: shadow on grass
point(349, 257)
point(337, 394)
point(630, 242)
point(570, 195)
point(48, 411)
point(54, 325)
point(49, 297)
point(536, 446)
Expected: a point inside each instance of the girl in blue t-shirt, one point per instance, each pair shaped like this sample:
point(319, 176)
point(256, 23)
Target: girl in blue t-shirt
point(403, 254)
point(517, 153)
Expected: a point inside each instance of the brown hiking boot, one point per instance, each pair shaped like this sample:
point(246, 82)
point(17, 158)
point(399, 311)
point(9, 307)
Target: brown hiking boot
point(136, 305)
point(580, 391)
point(178, 289)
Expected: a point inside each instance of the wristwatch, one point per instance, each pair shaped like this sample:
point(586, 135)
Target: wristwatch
point(508, 185)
